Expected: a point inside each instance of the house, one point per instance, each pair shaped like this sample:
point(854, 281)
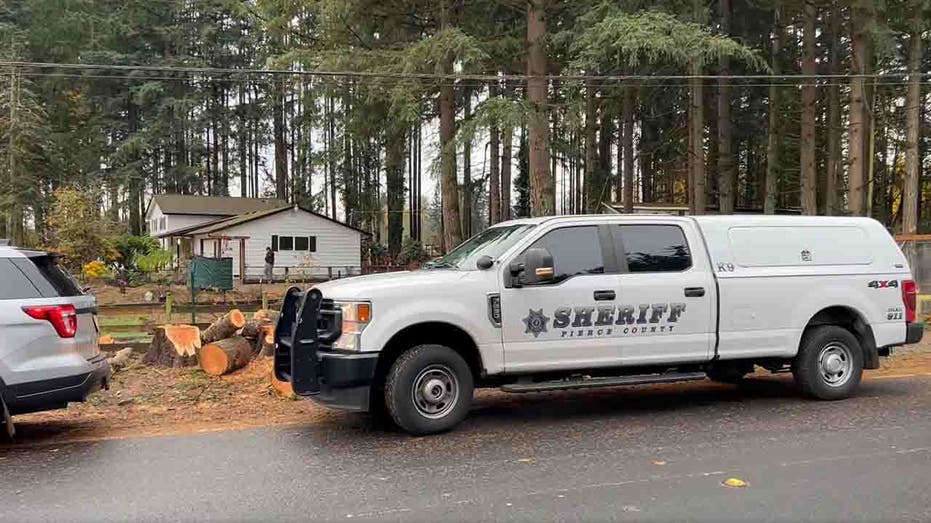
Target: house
point(168, 213)
point(306, 244)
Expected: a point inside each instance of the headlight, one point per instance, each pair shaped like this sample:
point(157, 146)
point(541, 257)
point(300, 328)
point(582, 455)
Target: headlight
point(356, 315)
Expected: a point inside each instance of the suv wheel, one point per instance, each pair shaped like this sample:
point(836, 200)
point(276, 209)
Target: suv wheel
point(428, 389)
point(829, 363)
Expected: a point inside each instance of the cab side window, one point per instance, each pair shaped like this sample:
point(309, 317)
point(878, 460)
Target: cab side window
point(652, 248)
point(575, 250)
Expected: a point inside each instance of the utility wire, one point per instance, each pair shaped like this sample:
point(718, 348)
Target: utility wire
point(438, 76)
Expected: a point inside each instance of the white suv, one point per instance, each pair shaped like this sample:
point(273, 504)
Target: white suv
point(49, 353)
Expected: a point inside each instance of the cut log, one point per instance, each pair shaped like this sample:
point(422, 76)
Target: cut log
point(265, 314)
point(282, 388)
point(224, 327)
point(252, 328)
point(266, 341)
point(226, 355)
point(173, 346)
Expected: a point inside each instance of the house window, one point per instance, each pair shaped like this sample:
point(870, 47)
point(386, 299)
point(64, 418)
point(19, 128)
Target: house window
point(294, 243)
point(163, 223)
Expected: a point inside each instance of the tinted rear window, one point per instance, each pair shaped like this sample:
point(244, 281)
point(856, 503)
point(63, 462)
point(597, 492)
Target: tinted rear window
point(653, 248)
point(48, 276)
point(16, 286)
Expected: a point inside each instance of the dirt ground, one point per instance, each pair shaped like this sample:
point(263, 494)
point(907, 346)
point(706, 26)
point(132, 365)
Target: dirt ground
point(149, 401)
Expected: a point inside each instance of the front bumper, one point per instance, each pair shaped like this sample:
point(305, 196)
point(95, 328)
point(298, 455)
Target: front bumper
point(56, 393)
point(914, 332)
point(346, 380)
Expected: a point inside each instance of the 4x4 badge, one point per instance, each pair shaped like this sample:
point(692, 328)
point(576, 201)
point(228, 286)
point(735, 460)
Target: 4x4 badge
point(536, 322)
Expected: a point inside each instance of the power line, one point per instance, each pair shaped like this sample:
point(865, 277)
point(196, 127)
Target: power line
point(485, 78)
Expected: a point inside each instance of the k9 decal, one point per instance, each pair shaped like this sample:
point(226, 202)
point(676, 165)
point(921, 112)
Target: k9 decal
point(883, 284)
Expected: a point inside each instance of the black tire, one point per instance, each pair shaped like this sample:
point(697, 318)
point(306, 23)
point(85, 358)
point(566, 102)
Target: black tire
point(829, 363)
point(443, 383)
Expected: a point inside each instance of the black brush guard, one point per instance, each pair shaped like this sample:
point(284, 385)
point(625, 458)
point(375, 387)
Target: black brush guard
point(307, 323)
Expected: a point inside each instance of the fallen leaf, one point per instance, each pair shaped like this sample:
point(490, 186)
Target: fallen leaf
point(734, 482)
point(659, 463)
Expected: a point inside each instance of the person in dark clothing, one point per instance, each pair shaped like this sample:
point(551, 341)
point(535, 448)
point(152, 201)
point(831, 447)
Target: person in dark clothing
point(269, 263)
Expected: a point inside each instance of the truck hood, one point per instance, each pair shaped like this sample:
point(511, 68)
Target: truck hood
point(392, 283)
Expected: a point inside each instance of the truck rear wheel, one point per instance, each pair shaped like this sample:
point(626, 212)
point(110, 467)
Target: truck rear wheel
point(428, 389)
point(829, 363)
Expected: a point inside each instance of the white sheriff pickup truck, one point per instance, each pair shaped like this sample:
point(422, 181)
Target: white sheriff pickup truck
point(599, 301)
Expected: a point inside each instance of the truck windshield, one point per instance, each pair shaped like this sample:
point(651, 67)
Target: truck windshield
point(491, 242)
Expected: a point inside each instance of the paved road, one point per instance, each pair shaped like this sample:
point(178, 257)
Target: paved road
point(657, 453)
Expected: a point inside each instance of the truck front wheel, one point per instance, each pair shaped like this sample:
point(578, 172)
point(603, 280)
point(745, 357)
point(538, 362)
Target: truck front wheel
point(829, 363)
point(428, 389)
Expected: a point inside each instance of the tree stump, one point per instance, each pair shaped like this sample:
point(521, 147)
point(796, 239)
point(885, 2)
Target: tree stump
point(282, 388)
point(224, 327)
point(226, 355)
point(173, 346)
point(266, 341)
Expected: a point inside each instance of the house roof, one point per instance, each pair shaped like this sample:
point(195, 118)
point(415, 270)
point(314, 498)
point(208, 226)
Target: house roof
point(213, 205)
point(226, 223)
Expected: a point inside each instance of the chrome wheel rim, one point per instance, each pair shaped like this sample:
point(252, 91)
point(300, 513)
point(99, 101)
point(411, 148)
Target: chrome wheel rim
point(835, 363)
point(435, 391)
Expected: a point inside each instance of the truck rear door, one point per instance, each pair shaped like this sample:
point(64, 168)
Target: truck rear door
point(666, 303)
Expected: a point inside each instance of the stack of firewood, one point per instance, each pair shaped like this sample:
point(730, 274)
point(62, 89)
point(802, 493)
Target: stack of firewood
point(229, 343)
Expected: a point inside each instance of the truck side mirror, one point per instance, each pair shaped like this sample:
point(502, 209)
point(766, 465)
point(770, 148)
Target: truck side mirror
point(537, 267)
point(484, 262)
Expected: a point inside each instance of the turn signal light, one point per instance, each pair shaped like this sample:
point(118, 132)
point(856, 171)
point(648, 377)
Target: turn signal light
point(363, 312)
point(63, 317)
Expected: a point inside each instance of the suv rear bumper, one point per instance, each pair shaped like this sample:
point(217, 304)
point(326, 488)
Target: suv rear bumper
point(56, 393)
point(346, 380)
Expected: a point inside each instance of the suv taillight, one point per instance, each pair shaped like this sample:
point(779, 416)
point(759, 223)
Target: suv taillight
point(910, 299)
point(63, 317)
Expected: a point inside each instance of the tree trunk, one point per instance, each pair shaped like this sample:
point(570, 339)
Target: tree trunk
point(394, 187)
point(224, 327)
point(832, 162)
point(494, 179)
point(696, 161)
point(861, 20)
point(809, 177)
point(591, 184)
point(226, 355)
point(773, 142)
point(542, 186)
point(452, 224)
point(912, 119)
point(507, 140)
point(466, 189)
point(281, 146)
point(173, 346)
point(627, 128)
point(727, 173)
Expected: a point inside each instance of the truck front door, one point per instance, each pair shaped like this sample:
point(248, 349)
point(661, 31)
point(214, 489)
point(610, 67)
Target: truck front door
point(556, 325)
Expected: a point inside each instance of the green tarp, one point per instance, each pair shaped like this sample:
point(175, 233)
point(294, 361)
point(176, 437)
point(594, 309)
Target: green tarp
point(211, 273)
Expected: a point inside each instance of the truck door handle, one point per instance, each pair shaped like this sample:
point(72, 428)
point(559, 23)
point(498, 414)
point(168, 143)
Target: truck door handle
point(694, 292)
point(604, 295)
